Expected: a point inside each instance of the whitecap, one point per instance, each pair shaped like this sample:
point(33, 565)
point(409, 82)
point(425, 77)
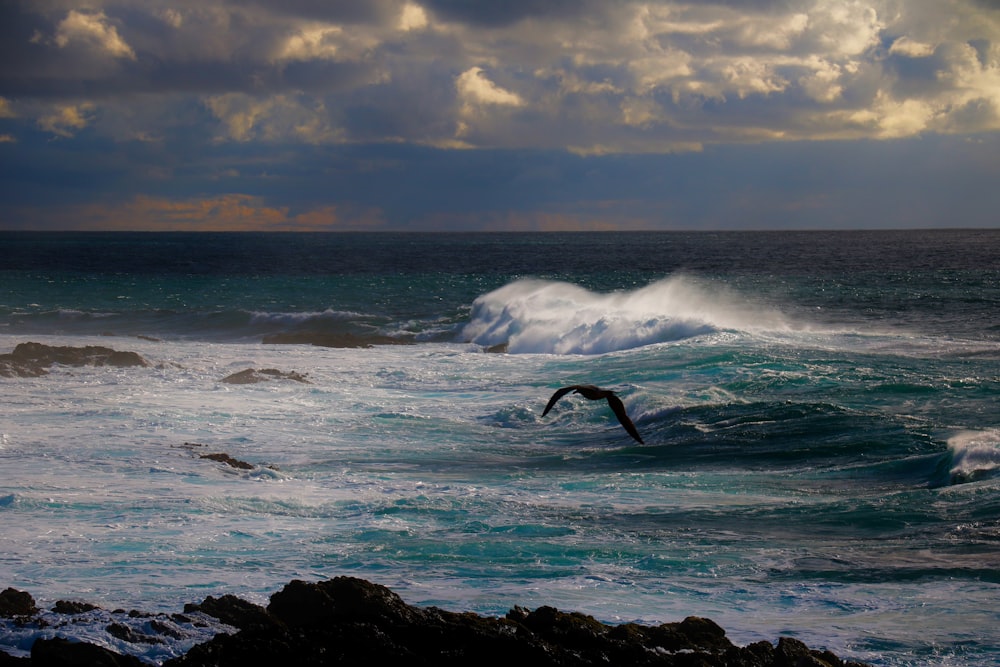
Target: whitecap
point(541, 316)
point(975, 455)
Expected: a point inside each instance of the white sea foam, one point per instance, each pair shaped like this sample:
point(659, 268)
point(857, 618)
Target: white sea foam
point(258, 317)
point(975, 455)
point(539, 316)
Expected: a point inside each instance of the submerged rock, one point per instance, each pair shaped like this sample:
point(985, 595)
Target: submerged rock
point(252, 376)
point(324, 339)
point(222, 457)
point(33, 359)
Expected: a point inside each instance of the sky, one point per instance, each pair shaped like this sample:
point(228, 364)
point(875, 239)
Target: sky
point(478, 115)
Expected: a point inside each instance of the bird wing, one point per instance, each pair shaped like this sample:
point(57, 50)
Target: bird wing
point(619, 409)
point(556, 396)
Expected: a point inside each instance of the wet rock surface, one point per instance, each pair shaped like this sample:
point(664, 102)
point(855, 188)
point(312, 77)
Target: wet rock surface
point(253, 376)
point(34, 359)
point(222, 457)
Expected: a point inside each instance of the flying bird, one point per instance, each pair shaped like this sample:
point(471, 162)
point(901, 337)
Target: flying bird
point(595, 393)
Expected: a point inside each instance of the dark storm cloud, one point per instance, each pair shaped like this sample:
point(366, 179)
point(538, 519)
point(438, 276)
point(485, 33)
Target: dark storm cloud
point(505, 13)
point(336, 11)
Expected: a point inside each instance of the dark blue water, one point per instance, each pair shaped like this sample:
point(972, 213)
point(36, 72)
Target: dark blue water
point(943, 282)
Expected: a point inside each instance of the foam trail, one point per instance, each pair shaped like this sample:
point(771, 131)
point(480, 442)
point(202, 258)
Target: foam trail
point(540, 316)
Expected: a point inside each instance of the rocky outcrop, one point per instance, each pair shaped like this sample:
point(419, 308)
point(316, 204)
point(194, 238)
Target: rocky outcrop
point(349, 621)
point(14, 603)
point(252, 376)
point(222, 457)
point(352, 621)
point(34, 359)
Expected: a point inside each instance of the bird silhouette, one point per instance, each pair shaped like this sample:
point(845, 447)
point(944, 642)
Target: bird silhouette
point(595, 393)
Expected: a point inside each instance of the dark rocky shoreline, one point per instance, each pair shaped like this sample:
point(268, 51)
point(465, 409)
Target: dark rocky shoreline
point(348, 621)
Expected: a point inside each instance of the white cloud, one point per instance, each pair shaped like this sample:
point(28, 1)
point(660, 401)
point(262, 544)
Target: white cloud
point(660, 68)
point(748, 77)
point(778, 33)
point(94, 31)
point(475, 89)
point(66, 120)
point(640, 112)
point(845, 27)
point(311, 42)
point(172, 17)
point(902, 118)
point(5, 109)
point(273, 119)
point(911, 48)
point(823, 81)
point(412, 17)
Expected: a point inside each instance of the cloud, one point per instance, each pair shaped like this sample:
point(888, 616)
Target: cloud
point(229, 212)
point(272, 119)
point(581, 76)
point(300, 102)
point(911, 48)
point(94, 31)
point(66, 120)
point(476, 90)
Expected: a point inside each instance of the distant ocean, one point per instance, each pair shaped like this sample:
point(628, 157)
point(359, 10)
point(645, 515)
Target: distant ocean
point(820, 410)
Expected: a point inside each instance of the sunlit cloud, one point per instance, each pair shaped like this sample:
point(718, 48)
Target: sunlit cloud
point(279, 118)
point(475, 89)
point(94, 31)
point(911, 48)
point(233, 212)
point(412, 17)
point(66, 120)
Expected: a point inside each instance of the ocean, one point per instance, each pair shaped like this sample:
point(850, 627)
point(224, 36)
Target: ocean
point(819, 412)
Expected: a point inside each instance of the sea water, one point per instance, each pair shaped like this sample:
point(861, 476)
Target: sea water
point(820, 415)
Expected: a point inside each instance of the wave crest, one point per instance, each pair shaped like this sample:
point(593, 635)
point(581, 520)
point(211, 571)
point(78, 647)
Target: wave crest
point(974, 455)
point(542, 316)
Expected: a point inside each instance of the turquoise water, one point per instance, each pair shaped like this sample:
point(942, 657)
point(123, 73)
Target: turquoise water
point(819, 411)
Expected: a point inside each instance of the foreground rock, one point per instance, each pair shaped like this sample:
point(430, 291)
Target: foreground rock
point(349, 621)
point(34, 359)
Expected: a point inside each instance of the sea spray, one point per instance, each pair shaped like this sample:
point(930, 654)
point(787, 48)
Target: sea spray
point(973, 456)
point(540, 316)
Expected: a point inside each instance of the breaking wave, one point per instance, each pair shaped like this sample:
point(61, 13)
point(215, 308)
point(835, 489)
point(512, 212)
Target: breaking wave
point(974, 455)
point(541, 316)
